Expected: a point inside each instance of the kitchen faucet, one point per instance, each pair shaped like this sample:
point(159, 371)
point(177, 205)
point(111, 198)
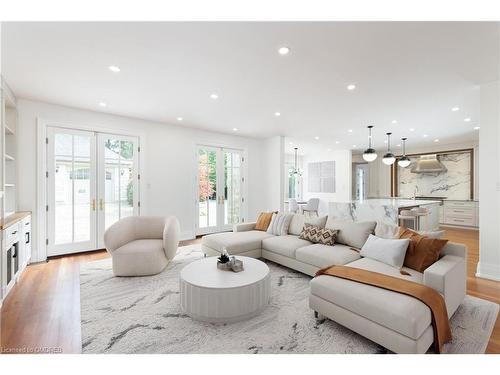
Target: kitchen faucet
point(415, 192)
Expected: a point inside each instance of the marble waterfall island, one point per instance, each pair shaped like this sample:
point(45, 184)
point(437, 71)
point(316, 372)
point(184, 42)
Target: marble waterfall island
point(385, 210)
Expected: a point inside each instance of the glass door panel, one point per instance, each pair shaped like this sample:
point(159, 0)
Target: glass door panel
point(71, 191)
point(117, 180)
point(207, 189)
point(232, 187)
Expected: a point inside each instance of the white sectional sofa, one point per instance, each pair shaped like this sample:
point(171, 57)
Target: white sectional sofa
point(398, 322)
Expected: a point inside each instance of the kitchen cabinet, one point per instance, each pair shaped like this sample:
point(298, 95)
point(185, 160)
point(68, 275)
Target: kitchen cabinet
point(460, 213)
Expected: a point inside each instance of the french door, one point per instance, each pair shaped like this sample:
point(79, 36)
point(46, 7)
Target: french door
point(219, 196)
point(92, 181)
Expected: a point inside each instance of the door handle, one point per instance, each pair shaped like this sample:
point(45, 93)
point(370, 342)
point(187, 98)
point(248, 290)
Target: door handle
point(93, 204)
point(101, 204)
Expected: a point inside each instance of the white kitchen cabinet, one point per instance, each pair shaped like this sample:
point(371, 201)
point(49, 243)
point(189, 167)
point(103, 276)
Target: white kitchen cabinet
point(460, 213)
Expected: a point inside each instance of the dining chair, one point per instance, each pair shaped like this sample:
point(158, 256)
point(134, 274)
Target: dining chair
point(312, 206)
point(293, 206)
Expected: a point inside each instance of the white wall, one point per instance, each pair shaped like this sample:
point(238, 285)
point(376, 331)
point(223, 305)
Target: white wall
point(168, 153)
point(343, 177)
point(274, 166)
point(489, 189)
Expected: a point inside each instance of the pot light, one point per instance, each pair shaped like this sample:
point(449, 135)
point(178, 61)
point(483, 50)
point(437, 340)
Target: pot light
point(351, 87)
point(337, 142)
point(436, 140)
point(277, 114)
point(369, 155)
point(329, 150)
point(454, 109)
point(354, 146)
point(467, 119)
point(316, 138)
point(114, 69)
point(476, 128)
point(389, 157)
point(214, 96)
point(179, 119)
point(412, 129)
point(349, 131)
point(425, 135)
point(284, 50)
point(235, 129)
point(404, 160)
point(394, 121)
point(103, 104)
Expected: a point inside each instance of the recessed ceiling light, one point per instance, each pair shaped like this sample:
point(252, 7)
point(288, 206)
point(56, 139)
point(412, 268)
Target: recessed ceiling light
point(277, 114)
point(385, 141)
point(284, 50)
point(179, 118)
point(114, 69)
point(476, 128)
point(425, 135)
point(349, 131)
point(329, 149)
point(103, 104)
point(337, 142)
point(394, 121)
point(316, 138)
point(214, 96)
point(412, 129)
point(351, 87)
point(454, 109)
point(291, 143)
point(436, 140)
point(398, 145)
point(354, 146)
point(467, 119)
point(235, 129)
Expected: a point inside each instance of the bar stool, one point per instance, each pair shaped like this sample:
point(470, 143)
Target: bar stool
point(421, 212)
point(409, 215)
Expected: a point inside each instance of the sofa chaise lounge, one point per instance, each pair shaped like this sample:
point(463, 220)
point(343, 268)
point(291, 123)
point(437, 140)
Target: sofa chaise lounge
point(398, 322)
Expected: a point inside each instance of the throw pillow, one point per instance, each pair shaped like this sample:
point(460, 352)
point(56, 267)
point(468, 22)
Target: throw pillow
point(423, 251)
point(388, 251)
point(264, 220)
point(319, 235)
point(298, 221)
point(351, 233)
point(279, 224)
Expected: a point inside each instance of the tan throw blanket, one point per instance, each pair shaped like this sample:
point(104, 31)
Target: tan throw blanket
point(434, 300)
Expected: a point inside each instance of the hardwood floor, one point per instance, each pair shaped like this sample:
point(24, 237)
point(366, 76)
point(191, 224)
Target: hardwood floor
point(43, 310)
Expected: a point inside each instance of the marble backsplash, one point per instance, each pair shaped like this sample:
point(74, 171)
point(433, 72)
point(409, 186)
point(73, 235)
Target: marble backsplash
point(453, 184)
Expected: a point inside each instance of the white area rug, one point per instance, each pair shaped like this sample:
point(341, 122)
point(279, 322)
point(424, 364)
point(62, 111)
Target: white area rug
point(142, 315)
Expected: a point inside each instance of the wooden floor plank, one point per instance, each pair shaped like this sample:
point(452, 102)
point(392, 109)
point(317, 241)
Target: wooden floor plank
point(43, 309)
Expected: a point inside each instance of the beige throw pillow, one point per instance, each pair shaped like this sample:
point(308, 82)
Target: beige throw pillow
point(351, 233)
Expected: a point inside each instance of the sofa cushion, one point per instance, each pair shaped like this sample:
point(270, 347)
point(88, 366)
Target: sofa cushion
point(139, 258)
point(351, 233)
point(321, 256)
point(284, 245)
point(388, 251)
point(279, 224)
point(235, 242)
point(398, 312)
point(299, 220)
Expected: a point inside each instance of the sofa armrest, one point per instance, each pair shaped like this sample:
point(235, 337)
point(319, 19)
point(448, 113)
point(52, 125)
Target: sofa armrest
point(171, 233)
point(243, 227)
point(448, 276)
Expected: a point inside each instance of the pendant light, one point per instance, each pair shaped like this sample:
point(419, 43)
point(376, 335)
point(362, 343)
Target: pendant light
point(389, 157)
point(295, 171)
point(404, 160)
point(369, 155)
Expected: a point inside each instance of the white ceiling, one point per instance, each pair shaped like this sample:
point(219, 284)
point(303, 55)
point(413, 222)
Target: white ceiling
point(410, 72)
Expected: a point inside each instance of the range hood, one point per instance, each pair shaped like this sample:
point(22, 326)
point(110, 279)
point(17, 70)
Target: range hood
point(428, 164)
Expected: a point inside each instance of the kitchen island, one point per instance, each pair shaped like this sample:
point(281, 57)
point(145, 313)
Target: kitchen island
point(385, 210)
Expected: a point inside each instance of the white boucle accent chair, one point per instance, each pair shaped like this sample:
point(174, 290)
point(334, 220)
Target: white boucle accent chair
point(142, 245)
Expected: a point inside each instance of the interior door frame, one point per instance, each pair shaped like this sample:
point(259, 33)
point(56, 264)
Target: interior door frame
point(101, 174)
point(39, 214)
point(50, 182)
point(220, 227)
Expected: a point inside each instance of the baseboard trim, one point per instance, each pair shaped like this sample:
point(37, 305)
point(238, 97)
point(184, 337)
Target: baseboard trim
point(488, 271)
point(187, 235)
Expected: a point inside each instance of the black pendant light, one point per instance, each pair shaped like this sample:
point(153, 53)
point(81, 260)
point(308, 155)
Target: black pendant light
point(369, 155)
point(404, 160)
point(389, 157)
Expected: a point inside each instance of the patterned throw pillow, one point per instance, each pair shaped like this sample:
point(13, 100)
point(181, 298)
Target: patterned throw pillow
point(316, 234)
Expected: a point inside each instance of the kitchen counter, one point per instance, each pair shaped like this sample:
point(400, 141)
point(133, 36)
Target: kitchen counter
point(385, 210)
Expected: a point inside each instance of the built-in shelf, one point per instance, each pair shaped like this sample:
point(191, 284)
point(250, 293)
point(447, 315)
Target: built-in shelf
point(10, 185)
point(8, 130)
point(9, 157)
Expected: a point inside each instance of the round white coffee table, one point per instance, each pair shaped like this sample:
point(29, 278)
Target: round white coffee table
point(212, 295)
